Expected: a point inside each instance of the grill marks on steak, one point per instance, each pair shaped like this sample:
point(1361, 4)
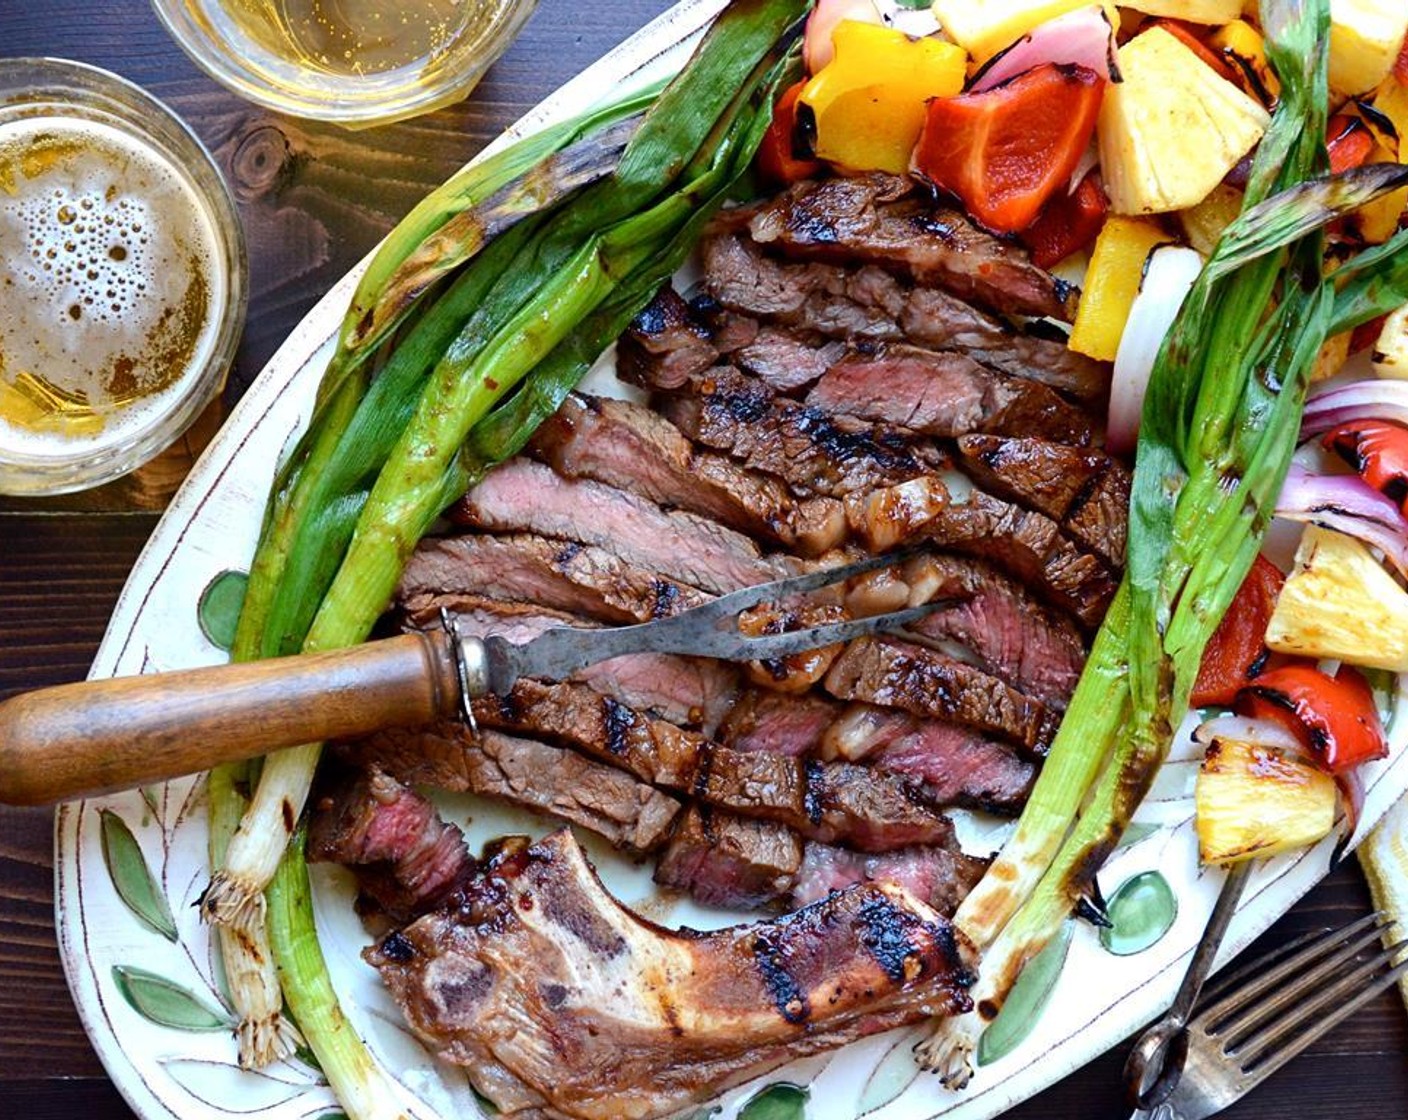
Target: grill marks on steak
point(633, 448)
point(1085, 491)
point(562, 783)
point(552, 993)
point(524, 496)
point(878, 219)
point(406, 859)
point(926, 683)
point(722, 859)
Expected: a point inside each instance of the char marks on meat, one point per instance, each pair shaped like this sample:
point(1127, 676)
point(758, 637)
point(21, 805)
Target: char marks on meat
point(407, 860)
point(633, 448)
point(722, 859)
point(523, 496)
point(881, 220)
point(1085, 491)
point(562, 783)
point(562, 1003)
point(926, 683)
point(561, 575)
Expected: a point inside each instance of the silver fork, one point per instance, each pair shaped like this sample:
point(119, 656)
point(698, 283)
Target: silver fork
point(1255, 1020)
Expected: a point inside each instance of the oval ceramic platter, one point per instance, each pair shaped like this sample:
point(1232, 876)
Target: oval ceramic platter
point(130, 867)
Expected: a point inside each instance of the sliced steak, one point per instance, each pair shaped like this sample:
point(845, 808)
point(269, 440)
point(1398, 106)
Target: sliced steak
point(693, 692)
point(940, 876)
point(1085, 491)
point(813, 451)
point(763, 720)
point(1010, 633)
point(722, 859)
point(869, 305)
point(523, 496)
point(925, 683)
point(548, 779)
point(665, 344)
point(406, 859)
point(959, 766)
point(633, 448)
point(880, 219)
point(564, 576)
point(1031, 547)
point(945, 393)
point(558, 998)
point(785, 360)
point(872, 810)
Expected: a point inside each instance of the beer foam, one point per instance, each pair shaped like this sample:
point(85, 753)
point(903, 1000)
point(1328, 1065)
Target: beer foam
point(110, 281)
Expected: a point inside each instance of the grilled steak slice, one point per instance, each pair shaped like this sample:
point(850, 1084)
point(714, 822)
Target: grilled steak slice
point(926, 683)
point(945, 393)
point(1029, 546)
point(690, 691)
point(763, 720)
point(562, 783)
point(879, 219)
point(550, 991)
point(634, 448)
point(868, 304)
point(667, 340)
point(959, 766)
point(785, 360)
point(406, 859)
point(1085, 491)
point(940, 876)
point(722, 859)
point(564, 576)
point(813, 451)
point(523, 496)
point(1010, 633)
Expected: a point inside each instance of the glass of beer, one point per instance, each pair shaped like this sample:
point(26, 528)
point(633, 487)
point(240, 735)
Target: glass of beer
point(353, 62)
point(122, 277)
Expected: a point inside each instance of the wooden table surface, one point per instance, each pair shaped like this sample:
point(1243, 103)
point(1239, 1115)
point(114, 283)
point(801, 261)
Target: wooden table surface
point(313, 200)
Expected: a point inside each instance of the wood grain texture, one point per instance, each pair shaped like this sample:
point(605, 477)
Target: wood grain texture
point(314, 200)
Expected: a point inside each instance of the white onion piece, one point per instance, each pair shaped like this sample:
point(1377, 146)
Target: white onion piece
point(1081, 38)
point(1240, 729)
point(1168, 275)
point(817, 48)
point(1359, 400)
point(1346, 504)
point(1088, 162)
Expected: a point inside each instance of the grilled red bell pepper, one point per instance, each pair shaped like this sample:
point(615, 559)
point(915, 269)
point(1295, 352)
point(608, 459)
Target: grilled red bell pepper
point(1068, 223)
point(1348, 141)
point(1366, 334)
point(1009, 149)
point(778, 161)
point(1237, 652)
point(1378, 450)
point(1335, 717)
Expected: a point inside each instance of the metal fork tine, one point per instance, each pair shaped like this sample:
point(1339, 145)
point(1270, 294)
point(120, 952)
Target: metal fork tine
point(1230, 979)
point(1220, 1014)
point(1275, 1025)
point(829, 633)
point(1317, 1029)
point(730, 605)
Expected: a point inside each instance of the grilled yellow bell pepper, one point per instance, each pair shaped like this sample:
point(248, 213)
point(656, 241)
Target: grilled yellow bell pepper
point(1111, 283)
point(868, 101)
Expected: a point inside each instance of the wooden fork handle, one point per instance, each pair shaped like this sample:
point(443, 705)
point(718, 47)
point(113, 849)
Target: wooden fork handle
point(97, 736)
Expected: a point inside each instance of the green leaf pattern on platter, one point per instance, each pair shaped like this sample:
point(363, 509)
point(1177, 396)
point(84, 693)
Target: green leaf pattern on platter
point(779, 1101)
point(166, 1003)
point(219, 608)
point(892, 1075)
point(132, 878)
point(1027, 999)
point(1141, 911)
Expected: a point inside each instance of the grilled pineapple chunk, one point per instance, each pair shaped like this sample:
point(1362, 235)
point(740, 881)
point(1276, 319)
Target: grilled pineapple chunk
point(1391, 349)
point(1253, 800)
point(1203, 224)
point(1173, 128)
point(1365, 36)
point(1340, 603)
point(1194, 11)
point(984, 27)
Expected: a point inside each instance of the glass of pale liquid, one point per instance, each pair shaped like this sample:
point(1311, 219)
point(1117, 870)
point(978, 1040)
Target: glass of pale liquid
point(122, 277)
point(353, 62)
